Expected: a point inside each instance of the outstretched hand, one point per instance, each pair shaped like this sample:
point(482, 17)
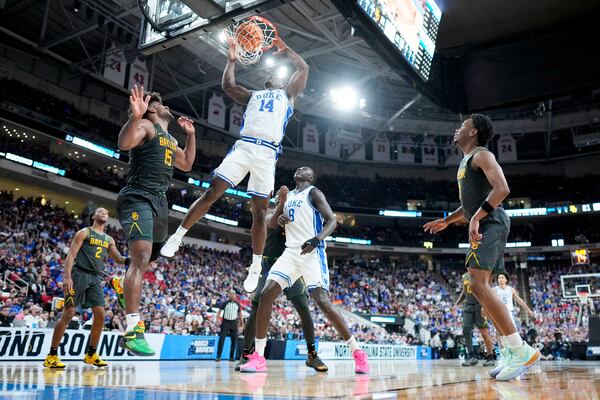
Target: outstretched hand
point(436, 226)
point(137, 102)
point(187, 125)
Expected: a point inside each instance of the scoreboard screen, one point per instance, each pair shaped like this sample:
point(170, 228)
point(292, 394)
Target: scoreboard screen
point(580, 257)
point(410, 25)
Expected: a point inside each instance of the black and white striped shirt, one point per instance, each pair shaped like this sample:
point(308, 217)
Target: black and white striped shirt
point(230, 310)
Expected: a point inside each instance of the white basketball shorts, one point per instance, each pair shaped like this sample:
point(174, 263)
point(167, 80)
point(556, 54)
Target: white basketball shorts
point(292, 265)
point(244, 158)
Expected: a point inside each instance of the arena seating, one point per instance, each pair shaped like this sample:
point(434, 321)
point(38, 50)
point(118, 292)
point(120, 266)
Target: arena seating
point(181, 295)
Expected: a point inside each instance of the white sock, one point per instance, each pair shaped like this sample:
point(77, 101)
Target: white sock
point(259, 346)
point(514, 340)
point(353, 344)
point(257, 259)
point(180, 232)
point(132, 321)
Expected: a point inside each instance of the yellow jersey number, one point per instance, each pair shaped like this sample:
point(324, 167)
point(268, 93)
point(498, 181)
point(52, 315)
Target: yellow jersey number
point(98, 252)
point(169, 157)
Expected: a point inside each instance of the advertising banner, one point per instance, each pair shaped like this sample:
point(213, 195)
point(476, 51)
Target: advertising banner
point(34, 344)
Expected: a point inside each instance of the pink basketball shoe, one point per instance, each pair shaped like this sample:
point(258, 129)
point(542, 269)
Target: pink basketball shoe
point(361, 362)
point(255, 363)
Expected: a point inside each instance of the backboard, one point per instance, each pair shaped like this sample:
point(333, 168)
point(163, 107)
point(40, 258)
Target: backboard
point(570, 284)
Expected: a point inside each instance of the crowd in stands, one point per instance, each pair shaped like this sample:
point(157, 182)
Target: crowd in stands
point(181, 296)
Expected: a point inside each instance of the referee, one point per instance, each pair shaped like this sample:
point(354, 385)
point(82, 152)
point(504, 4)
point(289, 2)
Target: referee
point(231, 314)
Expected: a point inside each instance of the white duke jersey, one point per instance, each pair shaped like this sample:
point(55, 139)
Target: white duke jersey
point(506, 296)
point(267, 115)
point(306, 221)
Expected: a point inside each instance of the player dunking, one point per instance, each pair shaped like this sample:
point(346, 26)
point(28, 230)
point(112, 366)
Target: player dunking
point(82, 284)
point(263, 128)
point(482, 188)
point(308, 220)
point(297, 294)
point(472, 316)
point(142, 204)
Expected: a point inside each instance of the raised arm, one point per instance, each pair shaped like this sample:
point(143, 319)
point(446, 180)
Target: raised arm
point(320, 203)
point(136, 130)
point(78, 240)
point(521, 302)
point(238, 93)
point(297, 82)
point(486, 161)
point(184, 159)
point(113, 252)
point(273, 215)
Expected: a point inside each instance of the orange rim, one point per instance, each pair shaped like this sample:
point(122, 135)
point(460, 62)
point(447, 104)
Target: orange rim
point(270, 25)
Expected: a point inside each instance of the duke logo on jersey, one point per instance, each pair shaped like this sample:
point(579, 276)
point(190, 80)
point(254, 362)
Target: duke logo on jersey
point(305, 223)
point(267, 115)
point(262, 130)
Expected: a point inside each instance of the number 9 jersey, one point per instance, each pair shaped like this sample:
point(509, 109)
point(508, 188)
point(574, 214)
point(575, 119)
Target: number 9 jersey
point(267, 115)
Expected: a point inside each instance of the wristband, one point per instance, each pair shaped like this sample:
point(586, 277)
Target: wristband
point(127, 262)
point(314, 242)
point(487, 207)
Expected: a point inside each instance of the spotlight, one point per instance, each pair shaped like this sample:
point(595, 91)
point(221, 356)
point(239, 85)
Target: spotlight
point(362, 103)
point(77, 5)
point(222, 36)
point(344, 98)
point(269, 61)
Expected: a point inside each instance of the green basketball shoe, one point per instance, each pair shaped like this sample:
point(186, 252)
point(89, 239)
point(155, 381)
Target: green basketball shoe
point(134, 341)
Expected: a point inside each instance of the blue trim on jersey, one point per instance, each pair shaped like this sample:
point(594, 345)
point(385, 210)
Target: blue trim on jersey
point(317, 224)
point(288, 114)
point(311, 287)
point(261, 142)
point(251, 192)
point(226, 179)
point(282, 275)
point(323, 264)
point(243, 121)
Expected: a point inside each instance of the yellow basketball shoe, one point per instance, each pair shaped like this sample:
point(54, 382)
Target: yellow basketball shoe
point(95, 360)
point(53, 362)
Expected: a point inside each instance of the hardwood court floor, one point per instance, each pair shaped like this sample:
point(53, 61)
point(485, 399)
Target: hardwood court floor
point(210, 380)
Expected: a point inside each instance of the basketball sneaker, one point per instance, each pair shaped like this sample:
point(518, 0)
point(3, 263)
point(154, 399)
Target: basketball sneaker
point(53, 362)
point(501, 362)
point(94, 360)
point(251, 282)
point(243, 360)
point(314, 361)
point(519, 360)
point(171, 246)
point(134, 341)
point(255, 363)
point(470, 362)
point(115, 284)
point(490, 361)
point(361, 362)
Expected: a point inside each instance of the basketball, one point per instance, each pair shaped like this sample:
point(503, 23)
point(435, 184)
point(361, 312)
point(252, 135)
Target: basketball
point(249, 36)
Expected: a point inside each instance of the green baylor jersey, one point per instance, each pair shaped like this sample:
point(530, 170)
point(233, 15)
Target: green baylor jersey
point(275, 243)
point(92, 253)
point(473, 188)
point(151, 164)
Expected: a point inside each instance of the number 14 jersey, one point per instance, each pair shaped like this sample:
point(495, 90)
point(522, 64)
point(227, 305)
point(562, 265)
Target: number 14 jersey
point(267, 115)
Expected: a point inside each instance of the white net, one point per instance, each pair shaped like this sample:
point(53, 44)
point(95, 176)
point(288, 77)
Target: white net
point(251, 36)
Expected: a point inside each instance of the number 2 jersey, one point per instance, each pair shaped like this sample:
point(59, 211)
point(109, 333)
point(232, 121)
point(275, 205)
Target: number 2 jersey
point(93, 250)
point(151, 164)
point(267, 115)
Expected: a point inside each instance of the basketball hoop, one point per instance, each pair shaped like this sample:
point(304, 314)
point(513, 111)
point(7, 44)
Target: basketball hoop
point(251, 37)
point(583, 297)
